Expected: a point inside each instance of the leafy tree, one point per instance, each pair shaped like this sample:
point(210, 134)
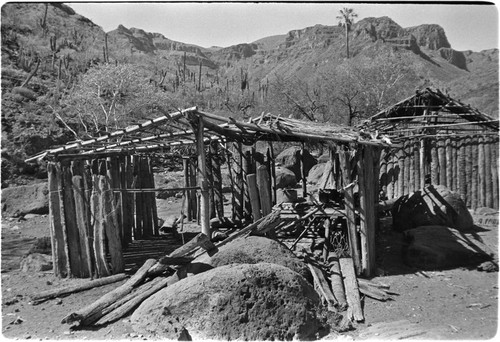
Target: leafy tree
point(346, 19)
point(108, 97)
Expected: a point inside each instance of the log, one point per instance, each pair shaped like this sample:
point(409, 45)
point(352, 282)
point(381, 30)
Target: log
point(66, 290)
point(351, 289)
point(108, 210)
point(237, 183)
point(59, 255)
point(474, 173)
point(326, 245)
point(480, 171)
point(345, 162)
point(337, 282)
point(247, 169)
point(253, 193)
point(82, 226)
point(434, 163)
point(416, 160)
point(322, 288)
point(217, 179)
point(442, 161)
point(487, 173)
point(101, 269)
point(136, 300)
point(264, 190)
point(81, 316)
point(449, 165)
point(202, 179)
point(383, 172)
point(462, 187)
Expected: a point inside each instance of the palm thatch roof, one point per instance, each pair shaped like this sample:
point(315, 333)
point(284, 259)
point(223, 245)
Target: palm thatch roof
point(428, 113)
point(175, 129)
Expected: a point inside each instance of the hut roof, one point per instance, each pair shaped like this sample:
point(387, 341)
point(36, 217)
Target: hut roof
point(175, 129)
point(430, 112)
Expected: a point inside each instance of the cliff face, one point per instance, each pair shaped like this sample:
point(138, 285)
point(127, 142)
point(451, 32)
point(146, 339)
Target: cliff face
point(430, 36)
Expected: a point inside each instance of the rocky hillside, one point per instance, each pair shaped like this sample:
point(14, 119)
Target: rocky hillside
point(46, 48)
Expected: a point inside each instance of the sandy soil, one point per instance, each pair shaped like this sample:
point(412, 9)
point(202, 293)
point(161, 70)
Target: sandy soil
point(449, 304)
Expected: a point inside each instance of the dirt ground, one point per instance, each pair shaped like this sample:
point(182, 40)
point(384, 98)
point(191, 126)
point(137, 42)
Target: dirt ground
point(447, 304)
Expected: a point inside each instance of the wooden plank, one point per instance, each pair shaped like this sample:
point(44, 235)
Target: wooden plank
point(264, 188)
point(253, 192)
point(351, 288)
point(323, 288)
point(59, 255)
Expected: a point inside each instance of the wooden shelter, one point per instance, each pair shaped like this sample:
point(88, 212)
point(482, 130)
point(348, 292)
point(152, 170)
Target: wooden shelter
point(102, 191)
point(444, 142)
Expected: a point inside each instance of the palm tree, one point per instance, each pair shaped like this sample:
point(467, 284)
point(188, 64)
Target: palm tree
point(346, 19)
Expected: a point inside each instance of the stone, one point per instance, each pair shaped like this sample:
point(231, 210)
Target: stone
point(285, 178)
point(440, 247)
point(432, 205)
point(290, 159)
point(25, 199)
point(234, 302)
point(36, 262)
point(253, 250)
point(316, 173)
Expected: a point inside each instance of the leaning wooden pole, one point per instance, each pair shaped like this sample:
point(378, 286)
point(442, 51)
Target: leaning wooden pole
point(202, 178)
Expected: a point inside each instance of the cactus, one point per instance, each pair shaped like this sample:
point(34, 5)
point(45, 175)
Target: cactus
point(43, 21)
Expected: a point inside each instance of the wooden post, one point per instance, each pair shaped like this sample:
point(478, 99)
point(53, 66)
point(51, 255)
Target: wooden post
point(368, 197)
point(273, 170)
point(82, 223)
point(247, 169)
point(423, 162)
point(416, 158)
point(108, 212)
point(336, 281)
point(147, 228)
point(187, 193)
point(152, 196)
point(237, 182)
point(129, 181)
point(434, 163)
point(449, 165)
point(401, 174)
point(480, 170)
point(390, 176)
point(383, 172)
point(194, 197)
point(202, 179)
point(407, 168)
point(59, 255)
point(326, 244)
point(210, 180)
point(254, 196)
point(411, 176)
point(303, 171)
point(99, 245)
point(468, 170)
point(494, 171)
point(217, 179)
point(263, 185)
point(442, 161)
point(345, 164)
point(487, 173)
point(454, 159)
point(474, 173)
point(73, 236)
point(461, 170)
point(138, 198)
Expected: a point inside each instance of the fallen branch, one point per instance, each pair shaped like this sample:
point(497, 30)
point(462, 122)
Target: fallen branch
point(62, 291)
point(324, 289)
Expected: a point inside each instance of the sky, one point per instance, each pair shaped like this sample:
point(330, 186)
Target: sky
point(467, 26)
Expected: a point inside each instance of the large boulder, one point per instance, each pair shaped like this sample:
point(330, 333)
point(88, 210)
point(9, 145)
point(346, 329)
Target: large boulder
point(316, 173)
point(432, 205)
point(290, 158)
point(440, 247)
point(25, 199)
point(36, 262)
point(234, 302)
point(253, 250)
point(285, 178)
